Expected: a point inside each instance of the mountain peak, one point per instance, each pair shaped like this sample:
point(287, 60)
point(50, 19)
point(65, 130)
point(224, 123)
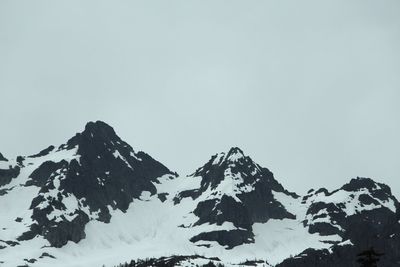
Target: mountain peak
point(99, 128)
point(97, 132)
point(235, 154)
point(236, 168)
point(359, 183)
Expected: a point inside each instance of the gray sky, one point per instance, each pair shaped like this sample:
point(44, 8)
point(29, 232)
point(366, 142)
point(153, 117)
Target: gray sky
point(309, 89)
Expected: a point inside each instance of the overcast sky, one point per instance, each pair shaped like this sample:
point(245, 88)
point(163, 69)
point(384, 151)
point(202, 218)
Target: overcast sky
point(309, 89)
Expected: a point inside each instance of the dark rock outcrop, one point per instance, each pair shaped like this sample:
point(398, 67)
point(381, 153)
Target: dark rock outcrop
point(2, 158)
point(6, 175)
point(228, 238)
point(44, 152)
point(369, 217)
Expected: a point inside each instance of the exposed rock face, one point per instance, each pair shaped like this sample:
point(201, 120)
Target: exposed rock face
point(364, 213)
point(333, 213)
point(8, 171)
point(237, 190)
point(110, 167)
point(6, 175)
point(44, 152)
point(2, 158)
point(230, 205)
point(103, 173)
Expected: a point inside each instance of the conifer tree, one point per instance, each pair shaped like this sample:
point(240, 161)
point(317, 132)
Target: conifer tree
point(369, 258)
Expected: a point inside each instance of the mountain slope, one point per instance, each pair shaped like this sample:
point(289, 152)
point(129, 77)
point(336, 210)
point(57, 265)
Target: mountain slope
point(64, 188)
point(234, 189)
point(362, 212)
point(95, 201)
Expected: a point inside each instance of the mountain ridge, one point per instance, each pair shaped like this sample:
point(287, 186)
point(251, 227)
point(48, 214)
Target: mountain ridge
point(96, 190)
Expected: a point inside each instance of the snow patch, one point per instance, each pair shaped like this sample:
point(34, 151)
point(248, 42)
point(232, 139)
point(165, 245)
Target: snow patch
point(118, 155)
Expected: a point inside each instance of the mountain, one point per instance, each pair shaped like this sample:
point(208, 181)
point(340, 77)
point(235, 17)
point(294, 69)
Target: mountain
point(94, 200)
point(362, 212)
point(235, 190)
point(55, 193)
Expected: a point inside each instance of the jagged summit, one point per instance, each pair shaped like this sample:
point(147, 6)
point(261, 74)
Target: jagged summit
point(99, 129)
point(235, 154)
point(360, 183)
point(238, 168)
point(98, 133)
point(95, 134)
point(234, 158)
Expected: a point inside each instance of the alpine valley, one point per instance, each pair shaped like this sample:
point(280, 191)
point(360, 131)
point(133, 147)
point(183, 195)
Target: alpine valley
point(94, 202)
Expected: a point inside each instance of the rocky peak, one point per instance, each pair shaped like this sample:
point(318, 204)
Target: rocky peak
point(95, 133)
point(371, 192)
point(99, 129)
point(99, 146)
point(235, 154)
point(360, 183)
point(362, 199)
point(230, 165)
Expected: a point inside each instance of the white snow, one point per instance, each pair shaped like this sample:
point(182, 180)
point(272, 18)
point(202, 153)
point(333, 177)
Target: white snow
point(151, 228)
point(15, 204)
point(232, 185)
point(218, 158)
point(118, 155)
point(345, 243)
point(132, 154)
point(351, 201)
point(234, 157)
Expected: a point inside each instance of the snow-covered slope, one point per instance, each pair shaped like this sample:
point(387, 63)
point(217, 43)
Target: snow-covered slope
point(233, 191)
point(95, 201)
point(53, 195)
point(362, 213)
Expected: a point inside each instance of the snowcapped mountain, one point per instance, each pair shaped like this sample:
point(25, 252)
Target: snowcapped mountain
point(235, 190)
point(95, 201)
point(362, 213)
